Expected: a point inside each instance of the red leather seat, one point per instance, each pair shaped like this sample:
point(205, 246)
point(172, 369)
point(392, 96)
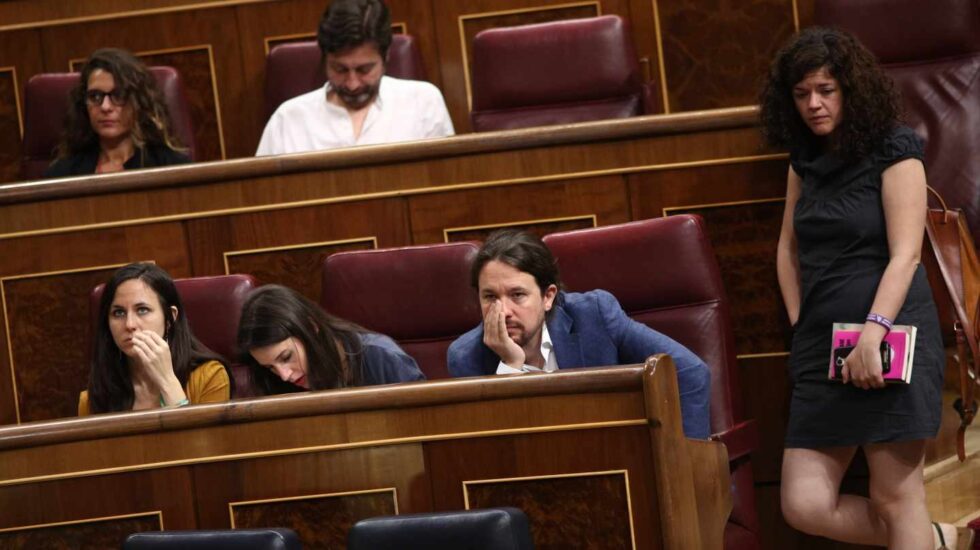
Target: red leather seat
point(46, 104)
point(418, 295)
point(932, 51)
point(665, 274)
point(294, 68)
point(213, 306)
point(555, 73)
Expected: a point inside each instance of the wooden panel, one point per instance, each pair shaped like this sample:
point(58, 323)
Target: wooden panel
point(165, 492)
point(40, 11)
point(297, 266)
point(197, 42)
point(581, 510)
point(11, 124)
point(382, 221)
point(534, 205)
point(564, 510)
point(49, 367)
point(714, 52)
point(744, 236)
point(537, 227)
point(765, 397)
point(20, 58)
point(84, 534)
point(742, 206)
point(323, 521)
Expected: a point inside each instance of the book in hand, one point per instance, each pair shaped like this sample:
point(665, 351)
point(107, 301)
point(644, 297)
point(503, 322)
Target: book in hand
point(897, 350)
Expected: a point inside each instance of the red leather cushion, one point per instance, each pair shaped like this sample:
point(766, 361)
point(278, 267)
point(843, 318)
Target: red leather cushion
point(419, 295)
point(584, 69)
point(46, 104)
point(293, 68)
point(935, 62)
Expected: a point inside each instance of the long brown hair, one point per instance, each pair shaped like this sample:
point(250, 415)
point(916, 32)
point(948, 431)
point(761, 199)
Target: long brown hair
point(110, 387)
point(152, 125)
point(273, 313)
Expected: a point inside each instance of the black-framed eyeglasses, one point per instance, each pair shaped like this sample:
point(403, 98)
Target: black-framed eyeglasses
point(96, 97)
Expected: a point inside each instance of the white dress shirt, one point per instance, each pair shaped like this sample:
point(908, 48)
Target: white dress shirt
point(547, 351)
point(404, 110)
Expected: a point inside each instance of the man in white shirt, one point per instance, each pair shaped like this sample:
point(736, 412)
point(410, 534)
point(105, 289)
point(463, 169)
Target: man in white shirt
point(358, 105)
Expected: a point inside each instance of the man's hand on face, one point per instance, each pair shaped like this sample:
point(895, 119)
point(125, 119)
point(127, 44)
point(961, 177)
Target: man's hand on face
point(496, 338)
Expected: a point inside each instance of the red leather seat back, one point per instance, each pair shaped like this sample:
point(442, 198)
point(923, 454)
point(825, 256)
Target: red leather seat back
point(46, 104)
point(419, 295)
point(555, 73)
point(665, 274)
point(932, 51)
point(213, 306)
point(293, 68)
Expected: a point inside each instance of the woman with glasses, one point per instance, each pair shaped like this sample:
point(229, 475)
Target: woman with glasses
point(116, 120)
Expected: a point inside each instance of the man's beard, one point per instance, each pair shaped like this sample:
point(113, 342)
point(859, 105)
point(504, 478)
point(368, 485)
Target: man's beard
point(359, 98)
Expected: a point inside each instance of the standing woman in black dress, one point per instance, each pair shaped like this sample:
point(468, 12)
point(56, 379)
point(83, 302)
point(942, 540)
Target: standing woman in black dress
point(849, 253)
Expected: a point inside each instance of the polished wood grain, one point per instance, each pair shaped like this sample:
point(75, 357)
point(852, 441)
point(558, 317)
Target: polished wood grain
point(278, 459)
point(106, 533)
point(297, 268)
point(59, 299)
point(564, 510)
point(10, 125)
point(714, 53)
point(544, 207)
point(320, 521)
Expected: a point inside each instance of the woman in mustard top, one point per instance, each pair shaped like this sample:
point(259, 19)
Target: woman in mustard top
point(144, 355)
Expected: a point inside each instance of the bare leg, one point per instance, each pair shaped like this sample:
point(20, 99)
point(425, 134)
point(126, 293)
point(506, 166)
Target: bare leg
point(898, 493)
point(812, 502)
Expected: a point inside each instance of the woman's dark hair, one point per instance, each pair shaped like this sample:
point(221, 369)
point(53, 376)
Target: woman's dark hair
point(521, 250)
point(151, 119)
point(349, 23)
point(870, 102)
point(110, 387)
point(273, 313)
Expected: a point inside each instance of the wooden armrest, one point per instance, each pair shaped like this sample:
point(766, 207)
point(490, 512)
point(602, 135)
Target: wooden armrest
point(740, 440)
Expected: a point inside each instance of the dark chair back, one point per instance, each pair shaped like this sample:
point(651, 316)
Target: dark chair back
point(555, 73)
point(489, 529)
point(219, 539)
point(418, 295)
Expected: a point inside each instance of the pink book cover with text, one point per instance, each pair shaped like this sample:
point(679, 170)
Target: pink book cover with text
point(901, 339)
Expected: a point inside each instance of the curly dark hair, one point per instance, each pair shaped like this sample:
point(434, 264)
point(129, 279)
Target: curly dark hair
point(349, 23)
point(152, 119)
point(870, 101)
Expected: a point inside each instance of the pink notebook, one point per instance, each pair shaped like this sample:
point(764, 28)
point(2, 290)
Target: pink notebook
point(897, 350)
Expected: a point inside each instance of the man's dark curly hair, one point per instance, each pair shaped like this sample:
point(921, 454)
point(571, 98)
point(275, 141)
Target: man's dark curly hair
point(870, 102)
point(151, 119)
point(349, 23)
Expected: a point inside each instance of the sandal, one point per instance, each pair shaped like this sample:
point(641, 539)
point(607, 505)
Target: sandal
point(942, 539)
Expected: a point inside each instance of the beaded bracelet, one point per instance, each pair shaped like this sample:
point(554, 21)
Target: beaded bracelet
point(181, 403)
point(880, 320)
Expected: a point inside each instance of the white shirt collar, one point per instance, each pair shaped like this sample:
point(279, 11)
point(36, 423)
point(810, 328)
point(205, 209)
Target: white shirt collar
point(547, 351)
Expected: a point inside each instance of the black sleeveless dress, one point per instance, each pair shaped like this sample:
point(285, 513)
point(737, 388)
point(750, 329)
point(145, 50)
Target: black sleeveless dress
point(843, 251)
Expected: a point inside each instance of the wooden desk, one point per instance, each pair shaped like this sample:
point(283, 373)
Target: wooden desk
point(589, 454)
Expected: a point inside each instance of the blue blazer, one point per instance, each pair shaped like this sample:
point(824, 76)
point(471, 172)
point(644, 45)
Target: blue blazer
point(591, 330)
